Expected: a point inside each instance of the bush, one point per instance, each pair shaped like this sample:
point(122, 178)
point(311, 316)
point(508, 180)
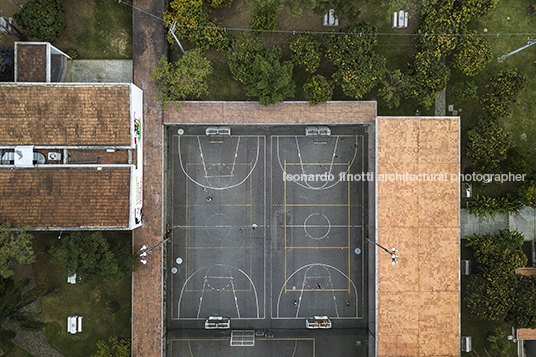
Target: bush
point(484, 206)
point(44, 19)
point(183, 79)
point(489, 297)
point(305, 51)
point(472, 54)
point(499, 341)
point(518, 161)
point(502, 91)
point(73, 54)
point(318, 89)
point(264, 18)
point(522, 313)
point(463, 92)
point(487, 145)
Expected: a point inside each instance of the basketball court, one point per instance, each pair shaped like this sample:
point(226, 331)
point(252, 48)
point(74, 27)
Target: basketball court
point(267, 228)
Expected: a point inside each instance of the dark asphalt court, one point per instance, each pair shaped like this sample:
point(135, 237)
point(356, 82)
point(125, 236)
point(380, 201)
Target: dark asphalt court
point(267, 230)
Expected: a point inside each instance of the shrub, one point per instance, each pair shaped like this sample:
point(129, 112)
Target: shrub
point(264, 18)
point(484, 206)
point(502, 91)
point(305, 51)
point(489, 297)
point(487, 145)
point(499, 341)
point(472, 54)
point(44, 19)
point(463, 92)
point(518, 161)
point(318, 89)
point(522, 313)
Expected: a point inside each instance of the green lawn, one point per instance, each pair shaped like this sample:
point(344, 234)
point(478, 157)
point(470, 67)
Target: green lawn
point(19, 352)
point(89, 300)
point(97, 29)
point(476, 328)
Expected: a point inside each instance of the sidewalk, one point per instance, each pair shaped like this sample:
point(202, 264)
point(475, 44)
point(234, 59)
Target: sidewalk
point(524, 222)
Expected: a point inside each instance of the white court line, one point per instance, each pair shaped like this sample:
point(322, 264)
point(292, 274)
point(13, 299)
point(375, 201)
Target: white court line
point(210, 186)
point(235, 300)
point(208, 268)
point(312, 187)
point(311, 265)
point(330, 166)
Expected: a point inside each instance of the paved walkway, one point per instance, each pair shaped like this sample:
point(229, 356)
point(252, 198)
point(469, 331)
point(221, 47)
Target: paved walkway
point(99, 71)
point(524, 222)
point(147, 303)
point(441, 104)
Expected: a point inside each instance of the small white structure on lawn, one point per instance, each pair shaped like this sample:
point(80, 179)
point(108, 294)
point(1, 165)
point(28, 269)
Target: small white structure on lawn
point(330, 19)
point(74, 324)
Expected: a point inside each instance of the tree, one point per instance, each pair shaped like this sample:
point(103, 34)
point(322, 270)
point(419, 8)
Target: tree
point(264, 18)
point(472, 54)
point(527, 192)
point(359, 77)
point(270, 79)
point(522, 313)
point(463, 92)
point(393, 89)
point(90, 256)
point(15, 246)
point(305, 51)
point(351, 43)
point(12, 300)
point(318, 89)
point(490, 295)
point(429, 76)
point(116, 347)
point(487, 145)
point(7, 64)
point(191, 18)
point(499, 341)
point(186, 78)
point(244, 50)
point(44, 19)
point(502, 92)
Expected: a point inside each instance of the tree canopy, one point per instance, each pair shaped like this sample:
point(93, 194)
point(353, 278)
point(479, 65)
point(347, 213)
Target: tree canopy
point(15, 246)
point(186, 78)
point(115, 347)
point(91, 256)
point(44, 19)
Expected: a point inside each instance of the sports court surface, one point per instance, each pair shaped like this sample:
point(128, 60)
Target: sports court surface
point(267, 230)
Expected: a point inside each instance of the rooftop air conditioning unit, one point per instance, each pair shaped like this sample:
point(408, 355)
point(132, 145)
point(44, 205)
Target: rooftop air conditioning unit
point(54, 156)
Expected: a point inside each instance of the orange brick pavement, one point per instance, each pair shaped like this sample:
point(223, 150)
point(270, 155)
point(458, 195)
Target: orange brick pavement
point(287, 112)
point(147, 319)
point(418, 299)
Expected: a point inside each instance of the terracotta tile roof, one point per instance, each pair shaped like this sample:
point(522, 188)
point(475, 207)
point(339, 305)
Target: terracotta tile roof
point(287, 112)
point(418, 299)
point(31, 63)
point(526, 271)
point(64, 115)
point(526, 334)
point(70, 197)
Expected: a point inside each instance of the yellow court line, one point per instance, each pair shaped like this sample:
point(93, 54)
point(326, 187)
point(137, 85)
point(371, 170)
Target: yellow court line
point(220, 163)
point(316, 163)
point(313, 205)
point(227, 205)
point(323, 290)
point(186, 231)
point(317, 247)
point(230, 290)
point(219, 248)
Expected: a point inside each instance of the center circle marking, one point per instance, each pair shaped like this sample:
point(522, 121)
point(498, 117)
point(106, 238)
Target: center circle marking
point(318, 217)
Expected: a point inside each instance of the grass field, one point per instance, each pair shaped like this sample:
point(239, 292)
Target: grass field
point(97, 29)
point(90, 300)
